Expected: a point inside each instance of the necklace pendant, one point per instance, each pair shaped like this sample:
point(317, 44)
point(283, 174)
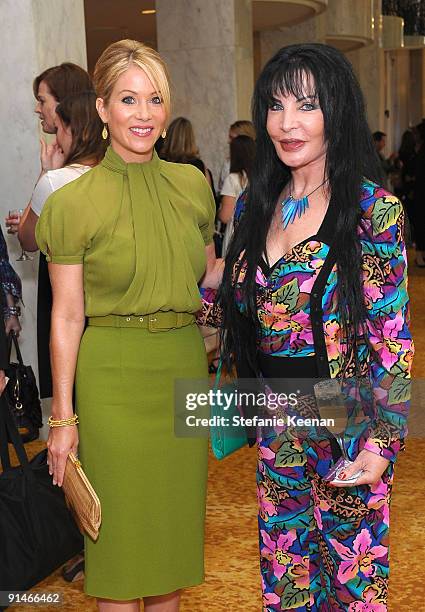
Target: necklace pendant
point(291, 209)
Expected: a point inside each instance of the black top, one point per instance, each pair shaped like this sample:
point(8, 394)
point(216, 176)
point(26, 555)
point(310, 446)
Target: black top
point(44, 312)
point(324, 234)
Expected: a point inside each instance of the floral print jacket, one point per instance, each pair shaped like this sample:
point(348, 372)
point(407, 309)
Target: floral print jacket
point(297, 310)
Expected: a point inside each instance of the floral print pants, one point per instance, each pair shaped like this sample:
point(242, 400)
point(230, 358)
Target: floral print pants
point(322, 548)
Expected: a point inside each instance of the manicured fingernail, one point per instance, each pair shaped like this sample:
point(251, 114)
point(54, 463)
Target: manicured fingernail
point(342, 475)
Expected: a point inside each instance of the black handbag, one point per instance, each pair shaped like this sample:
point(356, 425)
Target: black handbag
point(22, 395)
point(37, 531)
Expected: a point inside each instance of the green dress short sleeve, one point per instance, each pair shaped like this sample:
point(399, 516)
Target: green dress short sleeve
point(64, 229)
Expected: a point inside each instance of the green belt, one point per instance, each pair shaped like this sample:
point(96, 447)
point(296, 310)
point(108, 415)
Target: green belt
point(155, 322)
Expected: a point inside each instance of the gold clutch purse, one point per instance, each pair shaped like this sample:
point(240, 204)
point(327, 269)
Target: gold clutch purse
point(81, 498)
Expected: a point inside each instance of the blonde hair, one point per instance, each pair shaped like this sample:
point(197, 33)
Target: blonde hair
point(179, 144)
point(243, 127)
point(119, 56)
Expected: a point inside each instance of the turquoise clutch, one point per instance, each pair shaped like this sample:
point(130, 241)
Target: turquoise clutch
point(226, 439)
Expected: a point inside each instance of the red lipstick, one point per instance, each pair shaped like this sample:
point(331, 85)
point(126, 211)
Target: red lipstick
point(291, 145)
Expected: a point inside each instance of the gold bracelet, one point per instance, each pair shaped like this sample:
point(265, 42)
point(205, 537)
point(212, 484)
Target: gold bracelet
point(63, 422)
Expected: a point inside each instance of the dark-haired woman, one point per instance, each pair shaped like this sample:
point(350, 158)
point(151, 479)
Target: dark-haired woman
point(238, 128)
point(78, 147)
point(315, 286)
point(242, 153)
point(50, 88)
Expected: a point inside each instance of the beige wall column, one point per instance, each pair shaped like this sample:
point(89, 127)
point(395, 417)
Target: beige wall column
point(416, 87)
point(310, 31)
point(369, 65)
point(35, 35)
point(400, 94)
point(208, 49)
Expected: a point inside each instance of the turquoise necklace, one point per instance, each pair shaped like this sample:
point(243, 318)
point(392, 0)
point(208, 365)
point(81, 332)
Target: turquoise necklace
point(295, 208)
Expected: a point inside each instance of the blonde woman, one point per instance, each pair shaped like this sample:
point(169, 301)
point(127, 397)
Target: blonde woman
point(180, 146)
point(131, 264)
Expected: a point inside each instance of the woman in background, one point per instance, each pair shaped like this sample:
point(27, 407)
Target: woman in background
point(242, 127)
point(79, 146)
point(50, 88)
point(180, 146)
point(242, 154)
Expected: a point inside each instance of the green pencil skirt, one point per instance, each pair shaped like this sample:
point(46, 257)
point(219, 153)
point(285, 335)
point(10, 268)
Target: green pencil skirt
point(151, 484)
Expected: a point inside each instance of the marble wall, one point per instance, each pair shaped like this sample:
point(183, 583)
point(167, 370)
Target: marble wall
point(208, 49)
point(34, 35)
point(348, 18)
point(310, 31)
point(60, 34)
point(400, 94)
point(369, 64)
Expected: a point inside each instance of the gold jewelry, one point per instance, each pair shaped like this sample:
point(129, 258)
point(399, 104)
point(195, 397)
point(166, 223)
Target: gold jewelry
point(63, 422)
point(105, 132)
point(164, 133)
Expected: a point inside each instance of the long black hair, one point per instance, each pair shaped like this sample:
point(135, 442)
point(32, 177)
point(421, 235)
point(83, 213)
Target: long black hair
point(350, 157)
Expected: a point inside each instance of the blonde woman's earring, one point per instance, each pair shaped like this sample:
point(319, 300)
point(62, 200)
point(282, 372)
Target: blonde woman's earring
point(105, 132)
point(164, 134)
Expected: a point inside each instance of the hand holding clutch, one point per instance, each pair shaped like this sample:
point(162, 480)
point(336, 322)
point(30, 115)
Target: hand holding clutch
point(81, 498)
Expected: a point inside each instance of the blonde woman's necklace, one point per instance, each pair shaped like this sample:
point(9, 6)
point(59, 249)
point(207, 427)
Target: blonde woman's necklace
point(296, 208)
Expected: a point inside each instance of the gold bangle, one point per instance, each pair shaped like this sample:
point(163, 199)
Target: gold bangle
point(63, 422)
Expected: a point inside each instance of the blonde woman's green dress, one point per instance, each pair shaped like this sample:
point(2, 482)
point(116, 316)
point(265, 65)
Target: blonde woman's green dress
point(140, 232)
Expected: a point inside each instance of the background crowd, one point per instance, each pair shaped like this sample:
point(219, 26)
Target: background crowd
point(405, 178)
point(404, 171)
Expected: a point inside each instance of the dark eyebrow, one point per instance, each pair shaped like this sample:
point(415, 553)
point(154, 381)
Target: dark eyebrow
point(153, 93)
point(306, 98)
